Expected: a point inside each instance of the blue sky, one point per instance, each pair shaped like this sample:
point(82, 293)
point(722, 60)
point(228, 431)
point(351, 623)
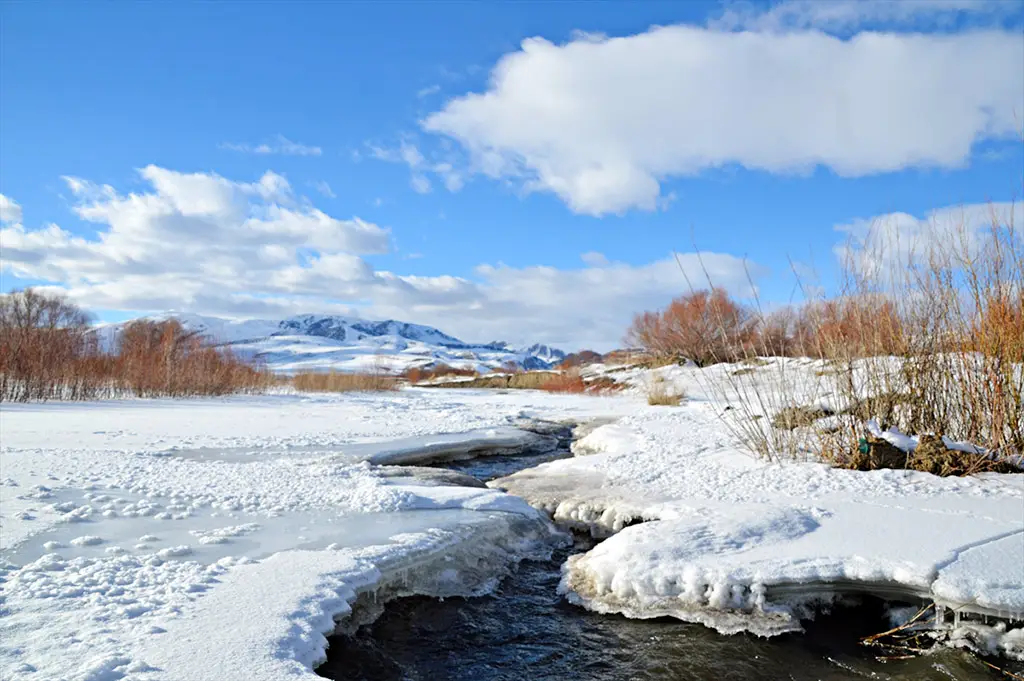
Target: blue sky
point(421, 161)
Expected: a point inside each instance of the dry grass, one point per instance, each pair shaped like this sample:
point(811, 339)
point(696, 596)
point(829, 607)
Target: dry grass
point(927, 338)
point(338, 382)
point(660, 393)
point(567, 382)
point(570, 381)
point(49, 352)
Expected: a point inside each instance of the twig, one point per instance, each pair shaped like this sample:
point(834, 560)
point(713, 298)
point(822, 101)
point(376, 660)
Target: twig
point(868, 640)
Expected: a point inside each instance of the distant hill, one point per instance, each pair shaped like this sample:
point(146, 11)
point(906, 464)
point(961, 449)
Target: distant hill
point(333, 342)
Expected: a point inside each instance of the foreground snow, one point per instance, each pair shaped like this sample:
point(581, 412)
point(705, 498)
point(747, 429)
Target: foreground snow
point(219, 539)
point(224, 538)
point(705, 533)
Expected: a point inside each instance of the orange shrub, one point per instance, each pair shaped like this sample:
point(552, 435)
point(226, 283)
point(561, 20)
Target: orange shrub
point(47, 351)
point(704, 326)
point(849, 327)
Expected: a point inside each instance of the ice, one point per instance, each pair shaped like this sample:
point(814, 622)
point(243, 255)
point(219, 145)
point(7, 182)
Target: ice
point(701, 531)
point(139, 543)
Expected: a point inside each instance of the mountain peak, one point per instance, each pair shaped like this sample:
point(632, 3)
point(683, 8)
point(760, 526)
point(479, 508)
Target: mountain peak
point(311, 342)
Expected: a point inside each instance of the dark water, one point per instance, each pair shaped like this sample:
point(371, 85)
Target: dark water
point(526, 631)
point(487, 468)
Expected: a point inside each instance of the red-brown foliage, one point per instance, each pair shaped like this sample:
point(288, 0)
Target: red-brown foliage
point(851, 327)
point(48, 351)
point(568, 382)
point(704, 326)
point(999, 329)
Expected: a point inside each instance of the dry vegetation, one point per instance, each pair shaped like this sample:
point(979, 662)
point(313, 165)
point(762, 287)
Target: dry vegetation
point(927, 338)
point(513, 377)
point(339, 382)
point(49, 352)
point(660, 393)
point(441, 370)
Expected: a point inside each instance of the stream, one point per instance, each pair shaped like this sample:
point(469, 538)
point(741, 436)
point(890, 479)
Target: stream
point(525, 630)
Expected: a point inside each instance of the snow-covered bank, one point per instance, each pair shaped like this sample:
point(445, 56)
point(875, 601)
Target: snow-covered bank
point(219, 538)
point(704, 532)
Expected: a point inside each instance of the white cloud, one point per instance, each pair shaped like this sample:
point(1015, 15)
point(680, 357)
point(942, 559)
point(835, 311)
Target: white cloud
point(601, 122)
point(10, 210)
point(427, 91)
point(325, 189)
point(588, 307)
point(420, 184)
point(279, 145)
point(420, 167)
point(594, 259)
point(200, 242)
point(839, 15)
point(893, 241)
point(211, 236)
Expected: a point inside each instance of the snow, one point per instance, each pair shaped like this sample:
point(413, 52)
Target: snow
point(225, 538)
point(700, 530)
point(336, 343)
point(138, 538)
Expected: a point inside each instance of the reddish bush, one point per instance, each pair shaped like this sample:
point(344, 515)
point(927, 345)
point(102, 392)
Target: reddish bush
point(704, 326)
point(998, 330)
point(849, 327)
point(47, 351)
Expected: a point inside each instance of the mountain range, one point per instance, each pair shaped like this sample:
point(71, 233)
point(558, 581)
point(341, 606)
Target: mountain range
point(339, 343)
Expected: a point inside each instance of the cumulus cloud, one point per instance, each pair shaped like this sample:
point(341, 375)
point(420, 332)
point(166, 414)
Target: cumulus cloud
point(573, 308)
point(279, 145)
point(601, 122)
point(199, 242)
point(191, 235)
point(594, 259)
point(892, 241)
point(10, 210)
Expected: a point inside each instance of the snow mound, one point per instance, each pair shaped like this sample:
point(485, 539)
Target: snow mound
point(701, 531)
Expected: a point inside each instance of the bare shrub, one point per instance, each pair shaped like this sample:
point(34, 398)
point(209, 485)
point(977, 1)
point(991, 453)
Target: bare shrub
point(48, 351)
point(926, 338)
point(703, 326)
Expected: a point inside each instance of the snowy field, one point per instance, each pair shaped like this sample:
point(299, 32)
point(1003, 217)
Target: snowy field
point(219, 538)
point(222, 538)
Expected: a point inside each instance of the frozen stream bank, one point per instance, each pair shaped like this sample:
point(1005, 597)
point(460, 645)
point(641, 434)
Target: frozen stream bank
point(154, 540)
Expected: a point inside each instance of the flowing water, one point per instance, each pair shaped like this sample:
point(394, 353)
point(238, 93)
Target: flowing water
point(526, 631)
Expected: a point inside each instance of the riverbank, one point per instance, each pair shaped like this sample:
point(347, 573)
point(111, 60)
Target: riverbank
point(140, 536)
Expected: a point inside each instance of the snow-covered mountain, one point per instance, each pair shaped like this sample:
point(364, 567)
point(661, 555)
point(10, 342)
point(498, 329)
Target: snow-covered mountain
point(332, 342)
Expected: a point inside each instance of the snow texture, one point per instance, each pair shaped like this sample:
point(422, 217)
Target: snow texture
point(223, 538)
point(701, 531)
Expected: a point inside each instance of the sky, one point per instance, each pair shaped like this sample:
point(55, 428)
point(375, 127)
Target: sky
point(527, 172)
